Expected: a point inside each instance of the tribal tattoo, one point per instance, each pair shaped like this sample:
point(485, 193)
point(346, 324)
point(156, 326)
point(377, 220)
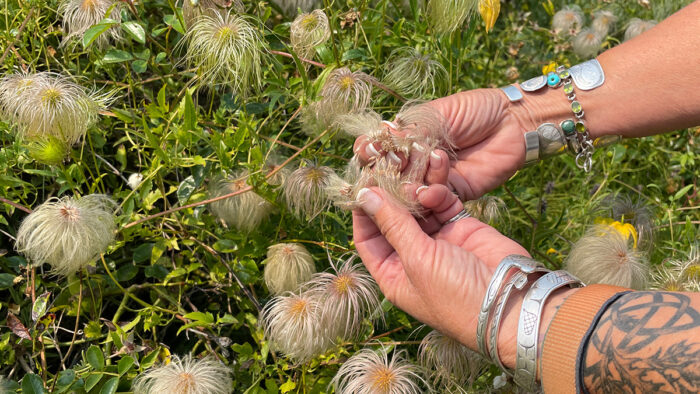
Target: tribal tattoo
point(646, 342)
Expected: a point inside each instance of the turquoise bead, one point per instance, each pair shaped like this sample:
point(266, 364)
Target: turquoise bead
point(553, 79)
point(568, 126)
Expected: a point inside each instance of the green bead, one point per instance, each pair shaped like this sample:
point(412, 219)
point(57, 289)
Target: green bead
point(569, 88)
point(576, 107)
point(580, 127)
point(568, 127)
point(564, 74)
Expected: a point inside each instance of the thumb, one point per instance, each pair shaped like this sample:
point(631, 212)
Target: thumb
point(398, 226)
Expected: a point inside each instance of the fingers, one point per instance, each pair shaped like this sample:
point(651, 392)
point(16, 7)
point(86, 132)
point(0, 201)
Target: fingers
point(398, 226)
point(441, 201)
point(438, 168)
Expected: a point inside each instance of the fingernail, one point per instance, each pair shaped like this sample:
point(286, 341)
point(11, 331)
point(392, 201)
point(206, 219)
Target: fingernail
point(392, 156)
point(420, 189)
point(369, 201)
point(371, 150)
point(435, 159)
point(418, 147)
point(390, 124)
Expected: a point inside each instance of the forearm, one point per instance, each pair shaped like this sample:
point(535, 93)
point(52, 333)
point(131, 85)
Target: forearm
point(646, 341)
point(651, 84)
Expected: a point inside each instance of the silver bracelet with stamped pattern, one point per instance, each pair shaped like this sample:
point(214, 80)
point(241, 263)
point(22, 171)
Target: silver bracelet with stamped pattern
point(525, 374)
point(521, 263)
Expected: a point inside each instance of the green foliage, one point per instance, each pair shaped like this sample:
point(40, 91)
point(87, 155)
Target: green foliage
point(176, 280)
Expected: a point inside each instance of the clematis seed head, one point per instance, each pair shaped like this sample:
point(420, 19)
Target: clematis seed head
point(186, 375)
point(68, 233)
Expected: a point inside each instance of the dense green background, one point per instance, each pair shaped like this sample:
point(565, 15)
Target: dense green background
point(179, 276)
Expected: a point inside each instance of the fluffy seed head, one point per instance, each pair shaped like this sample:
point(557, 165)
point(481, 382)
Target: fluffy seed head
point(304, 190)
point(46, 105)
point(668, 279)
point(385, 175)
point(287, 267)
point(67, 233)
point(602, 22)
point(368, 372)
point(446, 16)
point(48, 150)
point(193, 9)
point(186, 375)
point(347, 296)
point(413, 74)
point(80, 15)
point(292, 325)
point(345, 91)
point(134, 180)
point(452, 363)
point(638, 26)
point(637, 212)
point(245, 211)
point(227, 50)
point(604, 255)
point(568, 20)
point(587, 43)
point(690, 267)
point(680, 275)
point(423, 124)
point(488, 209)
point(309, 30)
point(356, 124)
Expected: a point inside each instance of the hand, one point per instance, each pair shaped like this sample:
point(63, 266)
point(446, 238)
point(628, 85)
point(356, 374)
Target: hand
point(488, 133)
point(436, 273)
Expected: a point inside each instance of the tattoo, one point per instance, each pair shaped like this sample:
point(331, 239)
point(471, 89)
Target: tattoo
point(645, 342)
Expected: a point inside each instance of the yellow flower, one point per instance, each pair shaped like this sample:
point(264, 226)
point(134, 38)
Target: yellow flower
point(489, 10)
point(551, 251)
point(549, 68)
point(625, 229)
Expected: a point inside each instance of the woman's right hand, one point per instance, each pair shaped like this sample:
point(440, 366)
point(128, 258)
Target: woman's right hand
point(488, 133)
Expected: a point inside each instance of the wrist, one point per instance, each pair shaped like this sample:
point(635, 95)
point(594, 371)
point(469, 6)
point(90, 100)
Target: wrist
point(507, 340)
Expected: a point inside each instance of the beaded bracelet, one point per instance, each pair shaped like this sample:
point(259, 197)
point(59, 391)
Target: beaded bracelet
point(576, 132)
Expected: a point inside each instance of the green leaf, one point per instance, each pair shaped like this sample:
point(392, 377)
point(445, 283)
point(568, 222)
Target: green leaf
point(93, 330)
point(96, 358)
point(127, 272)
point(93, 32)
point(92, 381)
point(172, 21)
point(190, 113)
point(110, 386)
point(288, 386)
point(139, 66)
point(206, 318)
point(65, 378)
point(6, 281)
point(682, 192)
point(135, 31)
point(184, 191)
point(142, 252)
point(156, 271)
point(32, 384)
point(117, 56)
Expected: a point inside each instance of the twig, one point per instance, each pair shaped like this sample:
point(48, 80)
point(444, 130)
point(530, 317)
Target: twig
point(114, 170)
point(520, 205)
point(373, 81)
point(14, 204)
point(247, 292)
point(289, 55)
point(77, 321)
point(19, 32)
point(229, 195)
